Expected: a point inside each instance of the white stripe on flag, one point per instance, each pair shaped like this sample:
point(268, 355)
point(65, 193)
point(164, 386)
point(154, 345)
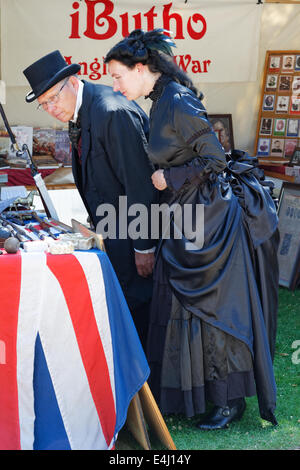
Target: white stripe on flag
point(32, 280)
point(91, 266)
point(67, 372)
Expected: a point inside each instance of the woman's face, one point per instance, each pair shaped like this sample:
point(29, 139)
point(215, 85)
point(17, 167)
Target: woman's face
point(128, 81)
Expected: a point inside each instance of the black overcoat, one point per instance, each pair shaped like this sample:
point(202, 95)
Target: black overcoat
point(114, 163)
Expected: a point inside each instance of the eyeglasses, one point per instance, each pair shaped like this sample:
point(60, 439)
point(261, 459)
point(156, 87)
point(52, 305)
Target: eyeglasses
point(53, 100)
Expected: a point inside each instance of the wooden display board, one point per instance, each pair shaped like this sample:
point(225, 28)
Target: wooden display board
point(278, 126)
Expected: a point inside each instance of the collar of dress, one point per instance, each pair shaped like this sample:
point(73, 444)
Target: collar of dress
point(159, 87)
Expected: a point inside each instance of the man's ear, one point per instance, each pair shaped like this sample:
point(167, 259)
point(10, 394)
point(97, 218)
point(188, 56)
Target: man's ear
point(73, 80)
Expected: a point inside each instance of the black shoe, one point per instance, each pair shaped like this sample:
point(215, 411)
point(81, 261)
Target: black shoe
point(220, 417)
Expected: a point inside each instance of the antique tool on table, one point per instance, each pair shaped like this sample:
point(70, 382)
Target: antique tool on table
point(14, 218)
point(58, 225)
point(17, 231)
point(20, 215)
point(40, 185)
point(44, 225)
point(14, 241)
point(38, 233)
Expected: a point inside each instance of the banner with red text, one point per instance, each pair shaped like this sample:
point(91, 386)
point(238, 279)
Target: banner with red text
point(217, 40)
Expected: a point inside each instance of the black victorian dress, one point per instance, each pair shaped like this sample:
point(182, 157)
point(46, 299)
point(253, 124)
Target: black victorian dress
point(213, 316)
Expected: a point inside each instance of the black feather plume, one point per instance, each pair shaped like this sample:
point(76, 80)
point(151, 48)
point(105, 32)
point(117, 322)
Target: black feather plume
point(159, 41)
point(153, 40)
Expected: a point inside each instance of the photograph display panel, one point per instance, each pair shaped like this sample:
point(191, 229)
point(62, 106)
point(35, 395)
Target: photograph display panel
point(278, 126)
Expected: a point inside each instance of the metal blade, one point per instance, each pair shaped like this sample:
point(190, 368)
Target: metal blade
point(40, 184)
point(86, 232)
point(58, 225)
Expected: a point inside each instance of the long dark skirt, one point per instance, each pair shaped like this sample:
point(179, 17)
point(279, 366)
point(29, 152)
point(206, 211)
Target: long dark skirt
point(191, 361)
point(214, 308)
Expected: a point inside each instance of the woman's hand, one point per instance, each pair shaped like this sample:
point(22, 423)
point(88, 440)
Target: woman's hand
point(158, 180)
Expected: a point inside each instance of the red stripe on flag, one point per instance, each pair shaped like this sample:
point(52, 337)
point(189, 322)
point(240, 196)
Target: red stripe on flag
point(10, 266)
point(76, 292)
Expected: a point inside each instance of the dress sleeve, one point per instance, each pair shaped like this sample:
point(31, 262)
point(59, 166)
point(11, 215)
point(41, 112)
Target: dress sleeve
point(191, 124)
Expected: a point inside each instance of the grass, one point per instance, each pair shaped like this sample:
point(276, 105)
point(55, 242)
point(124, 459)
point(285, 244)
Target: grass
point(252, 433)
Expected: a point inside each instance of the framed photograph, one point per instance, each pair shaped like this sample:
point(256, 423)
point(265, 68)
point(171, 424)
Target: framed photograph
point(271, 82)
point(289, 147)
point(263, 148)
point(297, 62)
point(279, 126)
point(268, 103)
point(282, 105)
point(295, 105)
point(296, 85)
point(295, 159)
point(292, 128)
point(285, 82)
point(277, 147)
point(266, 126)
point(288, 63)
point(289, 229)
point(222, 125)
point(274, 63)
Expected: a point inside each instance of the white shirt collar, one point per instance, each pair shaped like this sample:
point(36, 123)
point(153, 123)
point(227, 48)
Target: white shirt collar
point(78, 100)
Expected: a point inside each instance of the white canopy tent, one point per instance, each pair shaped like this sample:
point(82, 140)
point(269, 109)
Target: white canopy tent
point(221, 43)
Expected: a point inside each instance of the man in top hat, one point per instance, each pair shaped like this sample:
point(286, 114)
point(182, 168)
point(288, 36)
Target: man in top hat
point(109, 160)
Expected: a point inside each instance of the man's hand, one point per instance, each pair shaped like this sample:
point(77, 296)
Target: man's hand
point(158, 180)
point(144, 263)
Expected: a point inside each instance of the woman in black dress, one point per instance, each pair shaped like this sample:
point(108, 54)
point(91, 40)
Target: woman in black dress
point(213, 316)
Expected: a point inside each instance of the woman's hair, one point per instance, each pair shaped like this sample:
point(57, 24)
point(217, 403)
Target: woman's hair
point(152, 48)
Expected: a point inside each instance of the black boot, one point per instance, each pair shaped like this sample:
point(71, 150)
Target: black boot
point(220, 417)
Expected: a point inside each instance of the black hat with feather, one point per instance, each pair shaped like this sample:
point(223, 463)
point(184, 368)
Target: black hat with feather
point(139, 45)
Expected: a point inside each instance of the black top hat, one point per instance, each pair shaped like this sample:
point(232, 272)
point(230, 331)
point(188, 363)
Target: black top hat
point(46, 72)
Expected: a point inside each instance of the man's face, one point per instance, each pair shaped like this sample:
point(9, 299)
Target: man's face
point(60, 100)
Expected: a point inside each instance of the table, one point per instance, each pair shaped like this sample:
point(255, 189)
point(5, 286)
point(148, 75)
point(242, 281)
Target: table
point(23, 177)
point(70, 357)
point(276, 171)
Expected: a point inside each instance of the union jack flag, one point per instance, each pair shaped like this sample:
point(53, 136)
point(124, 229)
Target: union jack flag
point(70, 357)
